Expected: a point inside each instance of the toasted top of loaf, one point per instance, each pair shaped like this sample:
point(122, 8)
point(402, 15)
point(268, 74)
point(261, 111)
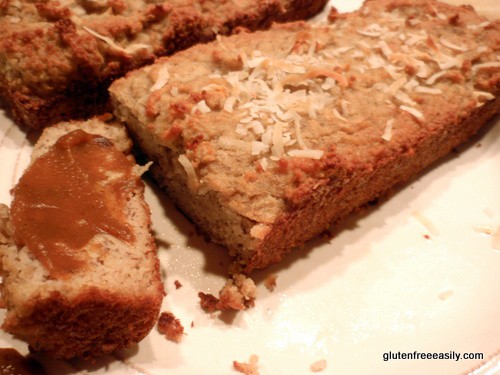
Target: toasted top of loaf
point(110, 264)
point(263, 119)
point(49, 47)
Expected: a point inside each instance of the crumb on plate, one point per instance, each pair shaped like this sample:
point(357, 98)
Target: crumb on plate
point(270, 281)
point(170, 326)
point(249, 368)
point(318, 365)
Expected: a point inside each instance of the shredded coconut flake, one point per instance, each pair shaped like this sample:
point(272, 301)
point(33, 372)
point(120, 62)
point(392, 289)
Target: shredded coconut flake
point(131, 49)
point(433, 78)
point(394, 87)
point(496, 239)
point(484, 229)
point(414, 39)
point(229, 104)
point(482, 49)
point(446, 62)
point(163, 77)
point(308, 154)
point(493, 64)
point(453, 46)
point(229, 143)
point(345, 107)
point(338, 115)
point(374, 30)
point(428, 90)
point(192, 181)
point(203, 107)
point(258, 147)
point(278, 146)
point(384, 47)
point(426, 223)
point(411, 85)
point(422, 72)
point(402, 97)
point(412, 111)
point(483, 94)
point(479, 26)
point(387, 136)
point(264, 164)
point(445, 294)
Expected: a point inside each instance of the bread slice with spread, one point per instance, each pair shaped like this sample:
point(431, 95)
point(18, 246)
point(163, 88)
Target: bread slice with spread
point(80, 272)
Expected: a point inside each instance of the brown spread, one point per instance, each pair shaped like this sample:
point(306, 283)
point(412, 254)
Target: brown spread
point(78, 189)
point(13, 363)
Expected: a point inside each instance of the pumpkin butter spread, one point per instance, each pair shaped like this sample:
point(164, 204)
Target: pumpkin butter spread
point(67, 196)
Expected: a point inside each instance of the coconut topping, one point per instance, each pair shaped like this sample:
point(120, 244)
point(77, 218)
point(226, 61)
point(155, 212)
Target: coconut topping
point(163, 77)
point(277, 97)
point(130, 50)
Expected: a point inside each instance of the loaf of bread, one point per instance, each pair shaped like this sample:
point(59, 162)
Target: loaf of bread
point(265, 139)
point(57, 58)
point(80, 272)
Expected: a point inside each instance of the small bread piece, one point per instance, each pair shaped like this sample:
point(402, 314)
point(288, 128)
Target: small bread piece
point(103, 294)
point(57, 58)
point(264, 140)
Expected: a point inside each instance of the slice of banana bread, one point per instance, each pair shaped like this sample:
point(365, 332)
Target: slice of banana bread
point(79, 266)
point(265, 139)
point(57, 58)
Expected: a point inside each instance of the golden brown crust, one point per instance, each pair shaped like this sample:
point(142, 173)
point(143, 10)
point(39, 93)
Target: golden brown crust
point(91, 325)
point(55, 63)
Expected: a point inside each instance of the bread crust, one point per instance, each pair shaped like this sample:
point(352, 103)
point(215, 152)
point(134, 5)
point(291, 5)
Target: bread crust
point(375, 98)
point(56, 63)
point(92, 324)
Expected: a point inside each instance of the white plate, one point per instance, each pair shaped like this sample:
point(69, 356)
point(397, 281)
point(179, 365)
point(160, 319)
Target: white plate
point(379, 285)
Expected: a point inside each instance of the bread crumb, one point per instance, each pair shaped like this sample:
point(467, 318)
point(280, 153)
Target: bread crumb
point(239, 293)
point(270, 281)
point(177, 284)
point(208, 302)
point(170, 326)
point(318, 365)
point(249, 368)
point(445, 294)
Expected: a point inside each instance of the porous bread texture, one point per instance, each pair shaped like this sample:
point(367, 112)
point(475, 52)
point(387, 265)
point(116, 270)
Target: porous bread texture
point(111, 303)
point(264, 140)
point(57, 58)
